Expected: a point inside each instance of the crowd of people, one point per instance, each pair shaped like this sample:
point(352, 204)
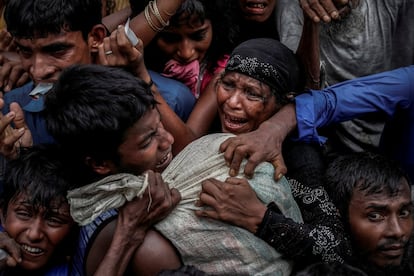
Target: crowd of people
point(207, 137)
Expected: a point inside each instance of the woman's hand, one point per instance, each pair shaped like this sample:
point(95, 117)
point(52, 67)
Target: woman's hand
point(232, 201)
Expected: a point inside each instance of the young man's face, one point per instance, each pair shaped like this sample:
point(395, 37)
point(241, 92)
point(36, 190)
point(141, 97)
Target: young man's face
point(44, 58)
point(147, 145)
point(381, 225)
point(38, 231)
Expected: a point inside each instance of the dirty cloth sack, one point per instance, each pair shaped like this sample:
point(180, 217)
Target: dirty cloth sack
point(212, 246)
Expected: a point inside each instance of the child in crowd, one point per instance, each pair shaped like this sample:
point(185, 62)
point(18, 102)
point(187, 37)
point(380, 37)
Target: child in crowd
point(39, 233)
point(114, 145)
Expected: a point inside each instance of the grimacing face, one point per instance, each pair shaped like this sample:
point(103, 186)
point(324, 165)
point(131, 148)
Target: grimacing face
point(147, 145)
point(38, 231)
point(45, 57)
point(243, 102)
point(381, 225)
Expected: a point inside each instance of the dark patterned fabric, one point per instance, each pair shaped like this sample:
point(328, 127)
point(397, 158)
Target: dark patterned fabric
point(320, 238)
point(268, 61)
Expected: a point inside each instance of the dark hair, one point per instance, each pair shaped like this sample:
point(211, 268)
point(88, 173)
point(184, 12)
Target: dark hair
point(39, 172)
point(215, 10)
point(90, 108)
point(370, 173)
point(270, 62)
point(39, 18)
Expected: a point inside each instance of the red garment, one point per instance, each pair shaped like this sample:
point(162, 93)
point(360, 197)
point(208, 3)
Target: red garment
point(193, 75)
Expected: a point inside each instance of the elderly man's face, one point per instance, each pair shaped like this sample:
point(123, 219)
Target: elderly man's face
point(381, 224)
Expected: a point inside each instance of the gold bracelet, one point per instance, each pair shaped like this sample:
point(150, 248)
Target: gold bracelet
point(154, 8)
point(149, 20)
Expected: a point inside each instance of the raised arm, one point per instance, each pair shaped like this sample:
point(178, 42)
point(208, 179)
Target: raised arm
point(141, 25)
point(325, 10)
point(384, 92)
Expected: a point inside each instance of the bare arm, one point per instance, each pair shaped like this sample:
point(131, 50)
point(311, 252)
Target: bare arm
point(115, 19)
point(139, 23)
point(113, 249)
point(202, 116)
point(325, 10)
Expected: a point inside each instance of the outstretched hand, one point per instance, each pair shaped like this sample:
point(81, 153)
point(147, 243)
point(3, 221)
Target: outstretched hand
point(11, 139)
point(325, 10)
point(12, 249)
point(232, 201)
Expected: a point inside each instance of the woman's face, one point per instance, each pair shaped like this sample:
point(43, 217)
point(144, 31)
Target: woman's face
point(187, 42)
point(38, 231)
point(244, 103)
point(257, 10)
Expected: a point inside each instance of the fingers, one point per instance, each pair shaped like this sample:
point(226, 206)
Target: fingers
point(17, 76)
point(175, 197)
point(209, 213)
point(117, 50)
point(5, 40)
point(19, 121)
point(233, 158)
point(5, 70)
point(163, 198)
point(280, 168)
point(209, 191)
point(11, 248)
point(319, 10)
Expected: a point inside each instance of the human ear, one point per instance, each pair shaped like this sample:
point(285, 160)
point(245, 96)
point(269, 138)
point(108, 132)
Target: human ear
point(101, 167)
point(96, 37)
point(2, 218)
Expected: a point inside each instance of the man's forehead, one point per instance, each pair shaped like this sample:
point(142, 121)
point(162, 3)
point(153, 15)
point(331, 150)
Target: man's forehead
point(51, 38)
point(383, 197)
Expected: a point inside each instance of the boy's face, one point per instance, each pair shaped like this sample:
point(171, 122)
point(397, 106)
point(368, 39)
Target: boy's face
point(381, 225)
point(147, 145)
point(38, 231)
point(45, 58)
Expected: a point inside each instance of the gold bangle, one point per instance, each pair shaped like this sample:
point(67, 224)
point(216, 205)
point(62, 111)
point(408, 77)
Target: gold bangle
point(149, 21)
point(154, 8)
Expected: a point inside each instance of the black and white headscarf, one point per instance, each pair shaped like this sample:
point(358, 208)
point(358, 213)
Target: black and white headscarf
point(268, 61)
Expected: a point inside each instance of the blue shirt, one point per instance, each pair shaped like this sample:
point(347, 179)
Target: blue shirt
point(176, 94)
point(32, 108)
point(391, 92)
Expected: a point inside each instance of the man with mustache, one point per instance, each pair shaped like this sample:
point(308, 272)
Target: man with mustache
point(373, 195)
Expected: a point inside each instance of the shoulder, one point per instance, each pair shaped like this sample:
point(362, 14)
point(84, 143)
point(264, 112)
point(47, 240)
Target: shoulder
point(20, 94)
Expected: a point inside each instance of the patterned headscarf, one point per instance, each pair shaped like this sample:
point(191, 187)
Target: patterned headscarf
point(268, 61)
